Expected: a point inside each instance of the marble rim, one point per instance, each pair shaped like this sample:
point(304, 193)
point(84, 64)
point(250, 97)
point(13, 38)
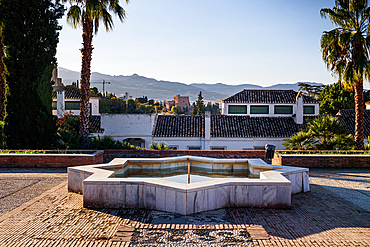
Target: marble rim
point(275, 176)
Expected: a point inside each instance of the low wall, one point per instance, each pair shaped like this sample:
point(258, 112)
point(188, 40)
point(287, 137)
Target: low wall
point(109, 155)
point(322, 160)
point(50, 159)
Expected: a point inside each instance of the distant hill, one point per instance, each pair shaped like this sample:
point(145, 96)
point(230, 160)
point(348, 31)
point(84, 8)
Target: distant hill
point(138, 86)
point(232, 89)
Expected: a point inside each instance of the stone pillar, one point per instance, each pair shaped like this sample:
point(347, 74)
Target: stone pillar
point(207, 131)
point(299, 109)
point(60, 104)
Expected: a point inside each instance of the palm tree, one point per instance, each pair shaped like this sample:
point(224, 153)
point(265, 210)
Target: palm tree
point(89, 14)
point(323, 133)
point(345, 50)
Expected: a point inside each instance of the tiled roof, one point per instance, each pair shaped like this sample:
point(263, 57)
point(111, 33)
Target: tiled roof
point(246, 126)
point(95, 123)
point(226, 126)
point(70, 92)
point(347, 118)
point(179, 126)
point(267, 97)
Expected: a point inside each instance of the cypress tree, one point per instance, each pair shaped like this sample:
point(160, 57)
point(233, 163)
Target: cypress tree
point(198, 107)
point(30, 38)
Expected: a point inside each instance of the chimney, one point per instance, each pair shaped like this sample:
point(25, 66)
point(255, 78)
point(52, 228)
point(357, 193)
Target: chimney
point(60, 104)
point(207, 131)
point(299, 109)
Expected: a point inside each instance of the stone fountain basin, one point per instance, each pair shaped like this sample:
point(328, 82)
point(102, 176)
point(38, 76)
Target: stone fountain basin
point(273, 189)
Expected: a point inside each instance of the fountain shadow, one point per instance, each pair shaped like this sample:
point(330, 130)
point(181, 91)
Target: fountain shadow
point(314, 212)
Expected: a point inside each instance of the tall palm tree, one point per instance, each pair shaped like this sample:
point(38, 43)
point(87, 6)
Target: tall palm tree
point(89, 14)
point(345, 50)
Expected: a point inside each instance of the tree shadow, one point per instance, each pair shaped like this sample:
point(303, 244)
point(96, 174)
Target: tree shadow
point(313, 212)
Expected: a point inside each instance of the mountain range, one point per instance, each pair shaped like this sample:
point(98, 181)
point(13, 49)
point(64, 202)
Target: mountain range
point(139, 86)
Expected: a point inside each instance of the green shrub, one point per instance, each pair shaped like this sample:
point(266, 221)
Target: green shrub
point(159, 146)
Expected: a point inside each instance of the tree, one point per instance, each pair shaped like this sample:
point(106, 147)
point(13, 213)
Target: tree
point(30, 37)
point(176, 109)
point(310, 90)
point(89, 14)
point(324, 133)
point(335, 97)
point(198, 107)
point(213, 108)
point(345, 50)
point(2, 70)
point(130, 106)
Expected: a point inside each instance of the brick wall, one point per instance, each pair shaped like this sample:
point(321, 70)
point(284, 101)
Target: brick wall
point(322, 161)
point(226, 154)
point(50, 160)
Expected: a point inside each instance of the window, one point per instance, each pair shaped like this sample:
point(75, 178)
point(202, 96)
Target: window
point(71, 105)
point(259, 148)
point(174, 147)
point(194, 148)
point(217, 148)
point(54, 105)
point(237, 109)
point(308, 109)
point(259, 109)
point(286, 109)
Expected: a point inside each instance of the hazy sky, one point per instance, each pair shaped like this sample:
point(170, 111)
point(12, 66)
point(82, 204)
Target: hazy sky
point(209, 41)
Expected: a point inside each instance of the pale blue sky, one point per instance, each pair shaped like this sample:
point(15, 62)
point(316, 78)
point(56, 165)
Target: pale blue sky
point(209, 41)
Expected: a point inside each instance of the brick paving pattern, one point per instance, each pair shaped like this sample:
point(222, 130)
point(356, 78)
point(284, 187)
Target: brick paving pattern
point(326, 216)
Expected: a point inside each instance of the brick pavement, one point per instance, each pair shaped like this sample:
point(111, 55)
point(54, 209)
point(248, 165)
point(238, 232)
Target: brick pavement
point(322, 217)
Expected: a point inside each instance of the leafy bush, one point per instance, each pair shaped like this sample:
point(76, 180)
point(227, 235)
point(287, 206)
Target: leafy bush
point(2, 136)
point(159, 146)
point(68, 132)
point(322, 133)
point(107, 142)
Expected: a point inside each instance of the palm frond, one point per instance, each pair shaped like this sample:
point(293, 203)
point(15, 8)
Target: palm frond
point(74, 16)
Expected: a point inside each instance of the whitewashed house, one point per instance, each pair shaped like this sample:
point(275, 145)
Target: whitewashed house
point(251, 119)
point(66, 99)
point(135, 129)
point(269, 103)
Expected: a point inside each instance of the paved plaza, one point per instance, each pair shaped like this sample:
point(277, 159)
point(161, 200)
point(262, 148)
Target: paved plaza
point(37, 210)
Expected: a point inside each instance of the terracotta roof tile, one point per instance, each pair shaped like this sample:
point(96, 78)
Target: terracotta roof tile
point(347, 118)
point(179, 126)
point(226, 126)
point(267, 97)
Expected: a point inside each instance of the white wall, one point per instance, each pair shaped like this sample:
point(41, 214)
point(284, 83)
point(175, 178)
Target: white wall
point(182, 143)
point(122, 126)
point(226, 143)
point(94, 107)
point(225, 109)
point(245, 143)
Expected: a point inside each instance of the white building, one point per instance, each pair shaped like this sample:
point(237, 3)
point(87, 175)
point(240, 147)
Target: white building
point(269, 103)
point(247, 124)
point(67, 99)
point(133, 128)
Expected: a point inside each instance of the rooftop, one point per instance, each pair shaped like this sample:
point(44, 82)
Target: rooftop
point(268, 97)
point(226, 126)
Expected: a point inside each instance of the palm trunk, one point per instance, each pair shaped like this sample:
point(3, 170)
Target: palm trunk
point(359, 115)
point(2, 82)
point(87, 27)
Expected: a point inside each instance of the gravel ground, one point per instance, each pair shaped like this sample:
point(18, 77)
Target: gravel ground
point(353, 185)
point(334, 213)
point(19, 185)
